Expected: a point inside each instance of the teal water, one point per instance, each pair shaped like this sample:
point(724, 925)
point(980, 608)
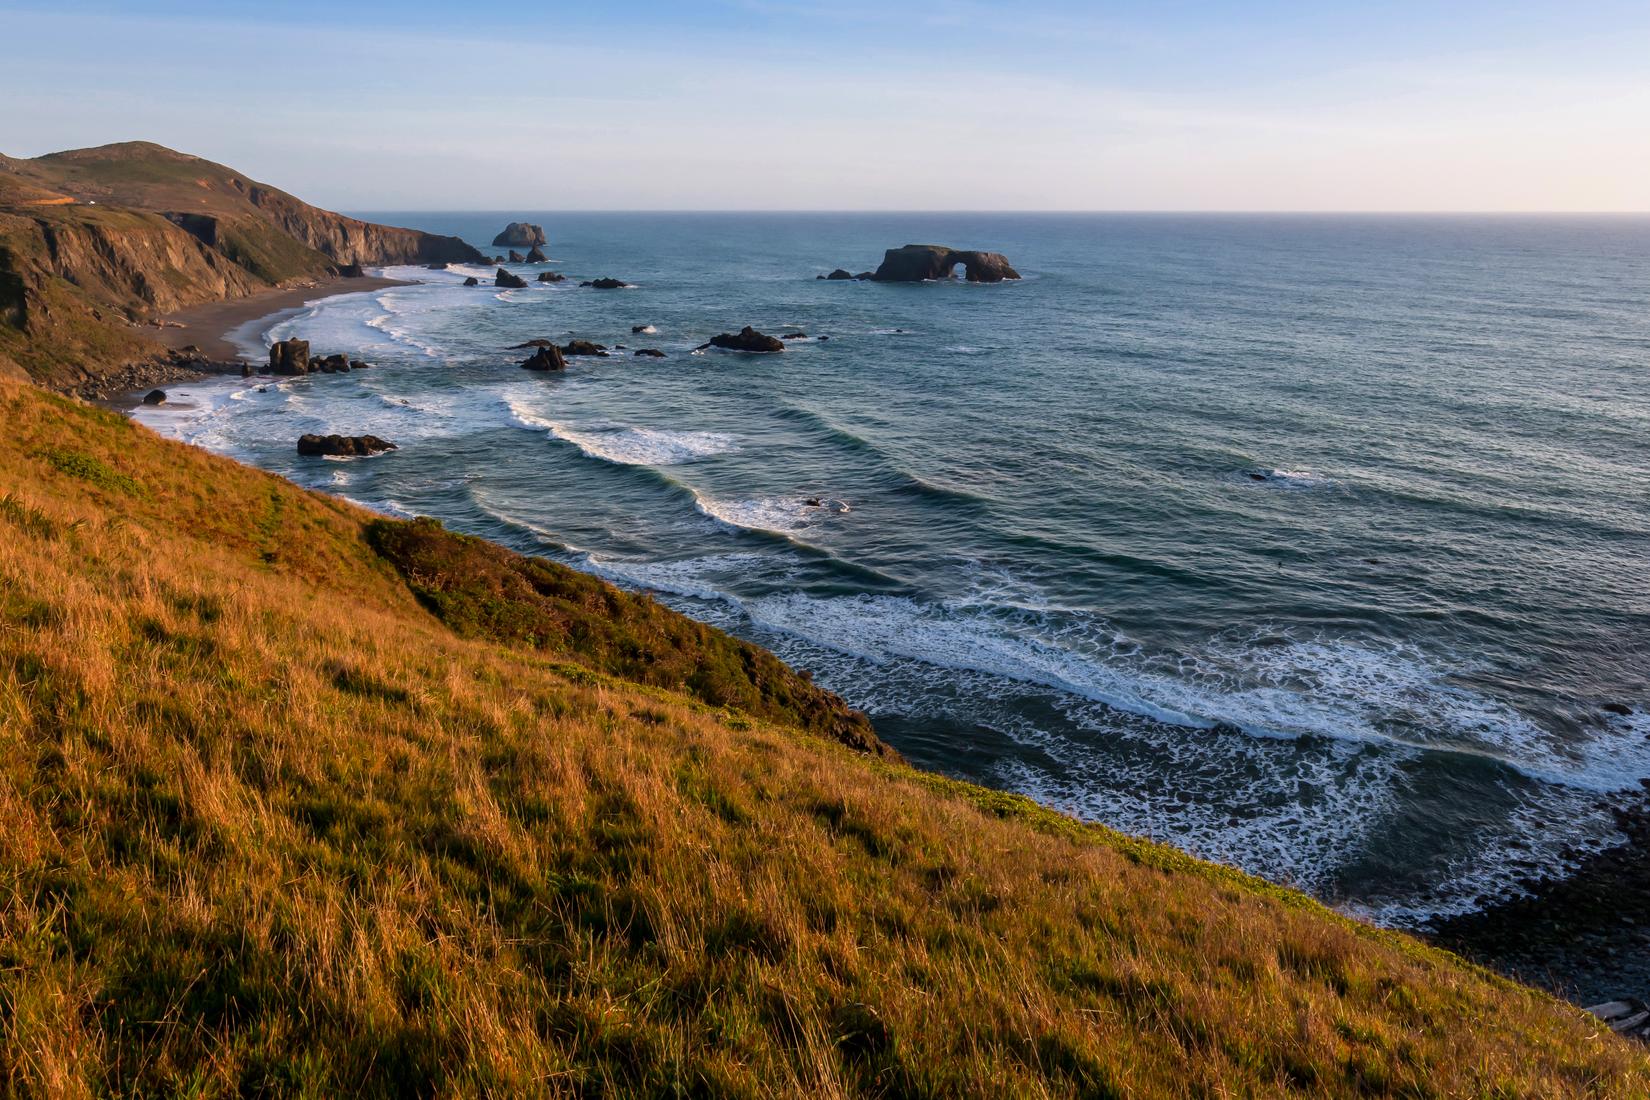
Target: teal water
point(1316, 545)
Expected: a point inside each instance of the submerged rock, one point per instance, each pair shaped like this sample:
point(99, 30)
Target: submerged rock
point(520, 235)
point(289, 357)
point(746, 339)
point(541, 342)
point(155, 397)
point(652, 353)
point(509, 281)
point(793, 336)
point(605, 284)
point(635, 329)
point(915, 263)
point(583, 347)
point(346, 445)
point(546, 358)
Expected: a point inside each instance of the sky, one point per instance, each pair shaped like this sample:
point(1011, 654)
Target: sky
point(1448, 105)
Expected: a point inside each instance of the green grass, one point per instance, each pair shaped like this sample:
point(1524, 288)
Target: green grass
point(295, 801)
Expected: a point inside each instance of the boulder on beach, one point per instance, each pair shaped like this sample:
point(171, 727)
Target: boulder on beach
point(651, 353)
point(289, 357)
point(472, 281)
point(915, 263)
point(343, 445)
point(535, 255)
point(520, 235)
point(545, 358)
point(155, 397)
point(583, 347)
point(606, 283)
point(551, 277)
point(509, 281)
point(746, 339)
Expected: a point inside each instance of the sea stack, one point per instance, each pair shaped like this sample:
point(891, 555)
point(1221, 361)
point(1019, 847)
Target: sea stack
point(746, 339)
point(915, 263)
point(289, 357)
point(509, 281)
point(520, 235)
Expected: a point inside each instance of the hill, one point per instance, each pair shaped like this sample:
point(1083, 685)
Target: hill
point(95, 243)
point(299, 801)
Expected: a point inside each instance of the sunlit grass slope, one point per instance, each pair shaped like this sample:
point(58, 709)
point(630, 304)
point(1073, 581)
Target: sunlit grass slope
point(295, 803)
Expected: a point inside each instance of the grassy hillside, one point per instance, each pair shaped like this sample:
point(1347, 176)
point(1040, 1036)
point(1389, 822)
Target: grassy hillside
point(295, 801)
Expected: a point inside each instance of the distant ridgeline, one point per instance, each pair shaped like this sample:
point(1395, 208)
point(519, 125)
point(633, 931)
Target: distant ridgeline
point(95, 243)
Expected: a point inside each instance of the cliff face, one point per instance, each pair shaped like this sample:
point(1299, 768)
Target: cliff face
point(93, 240)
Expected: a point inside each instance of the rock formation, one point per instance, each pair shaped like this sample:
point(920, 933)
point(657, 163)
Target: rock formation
point(605, 283)
point(472, 281)
point(651, 353)
point(345, 445)
point(535, 255)
point(918, 262)
point(289, 357)
point(583, 347)
point(155, 397)
point(746, 339)
point(517, 257)
point(509, 281)
point(331, 364)
point(348, 271)
point(551, 277)
point(546, 358)
point(837, 275)
point(520, 235)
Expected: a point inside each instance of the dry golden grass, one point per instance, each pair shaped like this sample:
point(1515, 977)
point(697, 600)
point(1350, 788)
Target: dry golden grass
point(269, 828)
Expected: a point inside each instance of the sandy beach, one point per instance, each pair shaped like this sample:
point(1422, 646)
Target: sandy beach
point(207, 326)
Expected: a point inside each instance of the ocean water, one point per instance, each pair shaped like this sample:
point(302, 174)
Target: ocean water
point(1316, 545)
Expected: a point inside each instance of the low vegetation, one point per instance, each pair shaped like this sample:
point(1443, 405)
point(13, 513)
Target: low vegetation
point(296, 802)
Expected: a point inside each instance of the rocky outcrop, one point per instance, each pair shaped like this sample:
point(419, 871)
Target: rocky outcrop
point(289, 357)
point(651, 353)
point(348, 271)
point(836, 276)
point(472, 281)
point(918, 262)
point(583, 347)
point(607, 283)
point(535, 255)
point(155, 397)
point(746, 339)
point(509, 281)
point(546, 358)
point(517, 257)
point(551, 277)
point(520, 235)
point(348, 446)
point(331, 364)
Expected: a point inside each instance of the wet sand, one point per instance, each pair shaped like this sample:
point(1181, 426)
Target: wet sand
point(207, 326)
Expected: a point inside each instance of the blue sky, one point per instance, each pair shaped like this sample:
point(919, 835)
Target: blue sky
point(812, 104)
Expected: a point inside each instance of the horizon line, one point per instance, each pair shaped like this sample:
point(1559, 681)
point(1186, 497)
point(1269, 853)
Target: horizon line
point(1063, 211)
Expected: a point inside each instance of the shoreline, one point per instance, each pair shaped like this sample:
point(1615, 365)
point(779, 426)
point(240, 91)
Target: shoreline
point(208, 326)
point(1565, 935)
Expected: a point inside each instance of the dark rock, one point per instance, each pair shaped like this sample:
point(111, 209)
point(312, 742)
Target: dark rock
point(517, 257)
point(289, 357)
point(1620, 709)
point(541, 342)
point(583, 347)
point(793, 336)
point(546, 358)
point(356, 364)
point(634, 329)
point(605, 284)
point(838, 275)
point(331, 364)
point(863, 275)
point(551, 277)
point(472, 281)
point(155, 397)
point(519, 235)
point(823, 337)
point(348, 271)
point(343, 445)
point(916, 262)
point(652, 353)
point(746, 339)
point(246, 370)
point(535, 255)
point(509, 281)
point(436, 267)
point(498, 259)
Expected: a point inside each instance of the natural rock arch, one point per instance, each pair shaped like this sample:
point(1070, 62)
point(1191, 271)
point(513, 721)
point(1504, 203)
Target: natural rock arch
point(917, 262)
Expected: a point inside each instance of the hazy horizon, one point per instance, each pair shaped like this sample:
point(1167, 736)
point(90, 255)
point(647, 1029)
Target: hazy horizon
point(768, 105)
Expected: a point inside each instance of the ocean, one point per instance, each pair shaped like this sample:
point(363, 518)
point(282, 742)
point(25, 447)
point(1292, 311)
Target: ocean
point(1317, 545)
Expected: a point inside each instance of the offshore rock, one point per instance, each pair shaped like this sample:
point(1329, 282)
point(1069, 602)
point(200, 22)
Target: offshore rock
point(746, 339)
point(519, 235)
point(472, 281)
point(546, 358)
point(517, 257)
point(605, 283)
point(551, 277)
point(343, 445)
point(289, 357)
point(535, 255)
point(918, 262)
point(512, 282)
